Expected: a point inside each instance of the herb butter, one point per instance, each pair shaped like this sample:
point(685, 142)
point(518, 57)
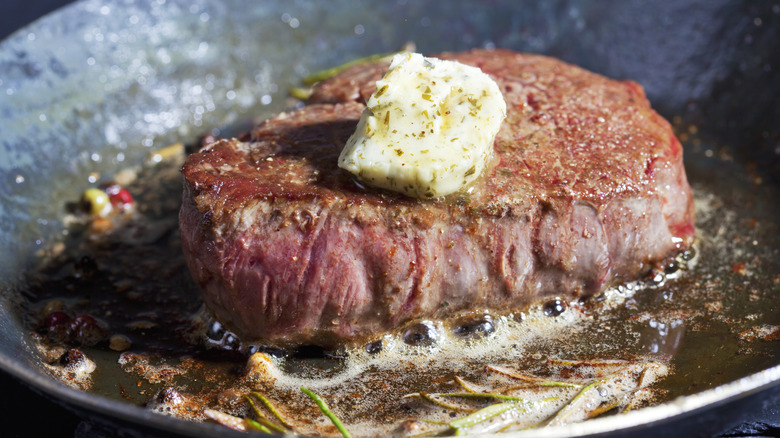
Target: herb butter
point(428, 129)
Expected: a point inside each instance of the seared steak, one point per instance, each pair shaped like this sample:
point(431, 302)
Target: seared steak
point(586, 189)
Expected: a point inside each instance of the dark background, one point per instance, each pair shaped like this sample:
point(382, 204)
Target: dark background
point(15, 14)
point(24, 413)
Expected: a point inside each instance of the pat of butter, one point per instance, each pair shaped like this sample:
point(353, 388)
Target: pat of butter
point(428, 129)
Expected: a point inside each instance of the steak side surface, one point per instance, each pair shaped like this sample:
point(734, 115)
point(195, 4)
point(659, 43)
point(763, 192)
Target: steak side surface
point(586, 189)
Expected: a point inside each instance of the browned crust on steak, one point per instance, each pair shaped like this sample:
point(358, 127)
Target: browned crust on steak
point(586, 189)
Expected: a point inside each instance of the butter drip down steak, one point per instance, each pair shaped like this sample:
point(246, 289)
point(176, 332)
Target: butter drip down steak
point(586, 189)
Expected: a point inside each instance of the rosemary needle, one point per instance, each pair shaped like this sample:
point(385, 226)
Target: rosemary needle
point(603, 408)
point(327, 412)
point(530, 379)
point(465, 385)
point(271, 408)
point(565, 410)
point(300, 93)
point(254, 425)
point(325, 74)
point(480, 395)
point(481, 415)
point(261, 419)
point(602, 363)
point(431, 398)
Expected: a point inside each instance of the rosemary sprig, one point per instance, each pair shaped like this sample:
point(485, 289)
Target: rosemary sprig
point(487, 412)
point(505, 404)
point(509, 410)
point(481, 415)
point(567, 409)
point(254, 425)
point(327, 412)
point(263, 420)
point(272, 409)
point(513, 422)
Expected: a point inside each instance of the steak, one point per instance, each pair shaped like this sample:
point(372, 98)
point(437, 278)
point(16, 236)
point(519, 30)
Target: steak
point(586, 189)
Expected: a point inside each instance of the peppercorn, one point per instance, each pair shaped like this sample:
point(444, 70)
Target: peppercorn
point(95, 202)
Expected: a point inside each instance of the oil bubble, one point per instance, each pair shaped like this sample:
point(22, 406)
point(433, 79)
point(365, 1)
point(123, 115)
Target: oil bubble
point(423, 334)
point(216, 331)
point(475, 328)
point(374, 347)
point(554, 307)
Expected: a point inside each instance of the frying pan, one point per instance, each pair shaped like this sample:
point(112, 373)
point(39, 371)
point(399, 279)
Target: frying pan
point(97, 85)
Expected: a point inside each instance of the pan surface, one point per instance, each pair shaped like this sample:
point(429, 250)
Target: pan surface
point(96, 86)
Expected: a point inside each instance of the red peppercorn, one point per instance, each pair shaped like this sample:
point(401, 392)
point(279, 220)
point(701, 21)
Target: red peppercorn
point(55, 320)
point(119, 196)
point(85, 330)
point(57, 325)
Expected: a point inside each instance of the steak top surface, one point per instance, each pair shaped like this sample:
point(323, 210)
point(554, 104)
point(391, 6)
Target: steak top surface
point(585, 189)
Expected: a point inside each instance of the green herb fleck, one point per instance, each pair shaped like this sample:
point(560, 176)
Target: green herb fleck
point(427, 94)
point(381, 91)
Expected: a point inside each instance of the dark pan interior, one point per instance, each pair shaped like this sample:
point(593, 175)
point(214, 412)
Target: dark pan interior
point(98, 85)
